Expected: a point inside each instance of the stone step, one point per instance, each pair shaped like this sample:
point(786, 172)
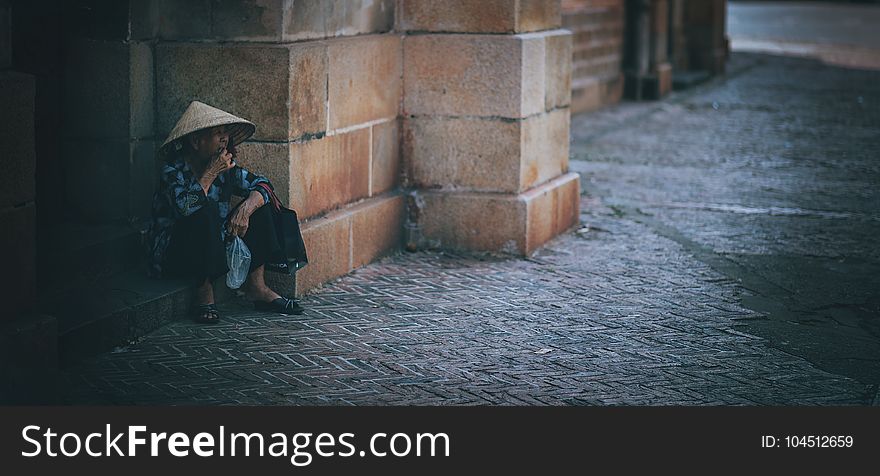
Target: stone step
point(118, 311)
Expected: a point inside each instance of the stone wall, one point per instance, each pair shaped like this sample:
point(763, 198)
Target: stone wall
point(17, 182)
point(597, 51)
point(322, 82)
point(28, 352)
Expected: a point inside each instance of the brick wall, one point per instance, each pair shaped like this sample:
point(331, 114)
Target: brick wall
point(597, 51)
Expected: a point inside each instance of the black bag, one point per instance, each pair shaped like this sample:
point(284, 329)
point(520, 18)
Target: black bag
point(289, 237)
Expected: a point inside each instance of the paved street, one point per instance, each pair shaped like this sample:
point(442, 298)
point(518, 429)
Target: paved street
point(837, 33)
point(728, 253)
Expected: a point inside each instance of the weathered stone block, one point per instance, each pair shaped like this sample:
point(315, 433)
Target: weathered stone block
point(328, 243)
point(271, 160)
point(557, 69)
point(355, 17)
point(17, 182)
point(462, 16)
point(486, 75)
point(474, 221)
point(304, 20)
point(485, 155)
point(476, 75)
point(385, 167)
point(488, 16)
point(534, 15)
point(376, 228)
point(347, 238)
point(281, 88)
point(248, 20)
point(308, 89)
point(364, 82)
point(108, 89)
point(553, 208)
point(462, 153)
point(329, 172)
point(315, 176)
point(506, 223)
point(309, 19)
point(545, 146)
point(17, 239)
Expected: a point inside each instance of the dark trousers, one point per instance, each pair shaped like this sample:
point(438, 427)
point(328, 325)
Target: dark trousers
point(196, 250)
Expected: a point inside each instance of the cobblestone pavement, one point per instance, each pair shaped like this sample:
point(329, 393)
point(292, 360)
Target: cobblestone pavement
point(727, 248)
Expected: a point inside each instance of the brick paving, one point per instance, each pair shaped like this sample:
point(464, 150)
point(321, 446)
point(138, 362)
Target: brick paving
point(643, 304)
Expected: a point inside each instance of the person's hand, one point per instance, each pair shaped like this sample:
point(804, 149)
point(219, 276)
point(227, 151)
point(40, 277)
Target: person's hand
point(238, 221)
point(219, 164)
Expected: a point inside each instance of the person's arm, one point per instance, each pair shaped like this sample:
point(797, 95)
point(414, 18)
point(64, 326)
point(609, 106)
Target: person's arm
point(246, 184)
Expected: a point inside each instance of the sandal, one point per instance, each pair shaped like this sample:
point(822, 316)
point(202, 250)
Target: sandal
point(280, 305)
point(206, 314)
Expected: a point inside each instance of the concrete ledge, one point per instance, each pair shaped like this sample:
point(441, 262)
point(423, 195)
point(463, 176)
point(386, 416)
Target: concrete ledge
point(507, 223)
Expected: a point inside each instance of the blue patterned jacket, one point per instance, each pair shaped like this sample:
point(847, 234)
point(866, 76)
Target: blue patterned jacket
point(179, 194)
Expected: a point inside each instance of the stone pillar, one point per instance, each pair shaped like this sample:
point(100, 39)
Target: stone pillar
point(28, 342)
point(647, 68)
point(706, 34)
point(487, 87)
point(322, 83)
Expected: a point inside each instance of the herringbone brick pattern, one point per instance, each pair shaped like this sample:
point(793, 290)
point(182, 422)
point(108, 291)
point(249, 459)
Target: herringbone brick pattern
point(767, 176)
point(614, 315)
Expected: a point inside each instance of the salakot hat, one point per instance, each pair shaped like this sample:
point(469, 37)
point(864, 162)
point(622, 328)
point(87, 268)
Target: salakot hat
point(199, 115)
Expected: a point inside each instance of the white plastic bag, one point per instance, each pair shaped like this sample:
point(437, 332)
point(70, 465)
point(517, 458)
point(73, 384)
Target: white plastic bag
point(238, 259)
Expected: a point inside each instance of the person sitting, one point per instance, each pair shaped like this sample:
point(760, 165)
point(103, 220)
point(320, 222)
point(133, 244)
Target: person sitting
point(192, 218)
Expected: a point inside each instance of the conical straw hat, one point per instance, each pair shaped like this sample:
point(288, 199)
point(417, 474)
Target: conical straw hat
point(199, 115)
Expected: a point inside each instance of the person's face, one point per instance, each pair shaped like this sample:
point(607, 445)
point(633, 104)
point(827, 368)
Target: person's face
point(209, 142)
